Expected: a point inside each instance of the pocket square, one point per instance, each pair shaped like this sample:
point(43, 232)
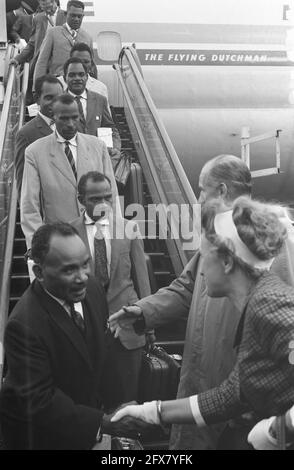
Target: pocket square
point(97, 118)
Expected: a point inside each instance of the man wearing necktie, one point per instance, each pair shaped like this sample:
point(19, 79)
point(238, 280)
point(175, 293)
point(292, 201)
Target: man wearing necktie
point(53, 166)
point(93, 107)
point(118, 263)
point(47, 88)
point(59, 40)
point(50, 16)
point(56, 351)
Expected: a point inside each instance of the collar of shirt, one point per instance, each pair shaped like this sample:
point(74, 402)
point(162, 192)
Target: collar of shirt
point(61, 139)
point(83, 95)
point(65, 305)
point(47, 120)
point(70, 30)
point(102, 222)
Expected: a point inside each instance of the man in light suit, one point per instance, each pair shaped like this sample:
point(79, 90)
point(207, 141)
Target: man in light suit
point(59, 40)
point(94, 112)
point(55, 344)
point(127, 278)
point(53, 166)
point(47, 88)
point(50, 17)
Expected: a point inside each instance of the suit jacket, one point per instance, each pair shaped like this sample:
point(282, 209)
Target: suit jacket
point(22, 28)
point(29, 133)
point(49, 188)
point(56, 49)
point(128, 274)
point(263, 377)
point(39, 29)
point(52, 392)
point(98, 116)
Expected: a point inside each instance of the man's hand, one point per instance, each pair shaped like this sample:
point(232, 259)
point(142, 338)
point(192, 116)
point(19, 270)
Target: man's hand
point(124, 318)
point(13, 62)
point(114, 153)
point(126, 427)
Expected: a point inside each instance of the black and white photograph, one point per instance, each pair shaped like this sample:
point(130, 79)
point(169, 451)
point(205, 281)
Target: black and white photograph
point(146, 228)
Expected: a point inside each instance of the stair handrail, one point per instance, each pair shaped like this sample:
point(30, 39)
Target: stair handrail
point(11, 218)
point(179, 256)
point(131, 53)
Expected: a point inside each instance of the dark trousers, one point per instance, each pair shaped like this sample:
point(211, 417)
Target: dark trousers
point(122, 372)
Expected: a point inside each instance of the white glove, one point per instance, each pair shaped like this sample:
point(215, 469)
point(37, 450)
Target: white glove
point(260, 438)
point(146, 412)
point(21, 44)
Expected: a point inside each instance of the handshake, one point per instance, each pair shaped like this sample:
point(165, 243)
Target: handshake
point(131, 420)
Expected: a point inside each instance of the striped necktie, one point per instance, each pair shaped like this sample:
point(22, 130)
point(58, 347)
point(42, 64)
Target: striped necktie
point(100, 256)
point(70, 158)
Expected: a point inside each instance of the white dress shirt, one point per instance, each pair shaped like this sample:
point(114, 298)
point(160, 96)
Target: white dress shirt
point(52, 19)
point(72, 144)
point(84, 98)
point(103, 225)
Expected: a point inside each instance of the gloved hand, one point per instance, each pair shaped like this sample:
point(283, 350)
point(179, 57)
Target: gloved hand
point(260, 438)
point(146, 412)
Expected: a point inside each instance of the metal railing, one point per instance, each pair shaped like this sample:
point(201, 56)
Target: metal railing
point(164, 174)
point(12, 117)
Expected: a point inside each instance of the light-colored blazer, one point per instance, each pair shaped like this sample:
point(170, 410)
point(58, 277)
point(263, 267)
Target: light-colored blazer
point(49, 188)
point(29, 133)
point(128, 274)
point(56, 49)
point(40, 25)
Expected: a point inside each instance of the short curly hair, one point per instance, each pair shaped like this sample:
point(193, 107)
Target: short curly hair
point(42, 237)
point(258, 226)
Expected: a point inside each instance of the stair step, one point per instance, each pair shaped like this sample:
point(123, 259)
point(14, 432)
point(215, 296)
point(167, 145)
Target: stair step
point(19, 283)
point(20, 246)
point(19, 265)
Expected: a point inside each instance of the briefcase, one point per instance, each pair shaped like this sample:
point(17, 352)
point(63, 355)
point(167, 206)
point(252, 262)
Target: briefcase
point(159, 375)
point(134, 187)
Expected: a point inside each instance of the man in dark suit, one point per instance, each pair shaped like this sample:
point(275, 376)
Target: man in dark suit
point(53, 392)
point(47, 88)
point(124, 273)
point(51, 16)
point(93, 107)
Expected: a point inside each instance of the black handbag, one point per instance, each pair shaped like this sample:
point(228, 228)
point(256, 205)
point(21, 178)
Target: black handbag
point(123, 168)
point(159, 376)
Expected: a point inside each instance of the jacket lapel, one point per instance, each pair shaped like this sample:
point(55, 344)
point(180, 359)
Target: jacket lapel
point(81, 227)
point(59, 160)
point(67, 34)
point(60, 317)
point(116, 225)
point(43, 128)
point(83, 152)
